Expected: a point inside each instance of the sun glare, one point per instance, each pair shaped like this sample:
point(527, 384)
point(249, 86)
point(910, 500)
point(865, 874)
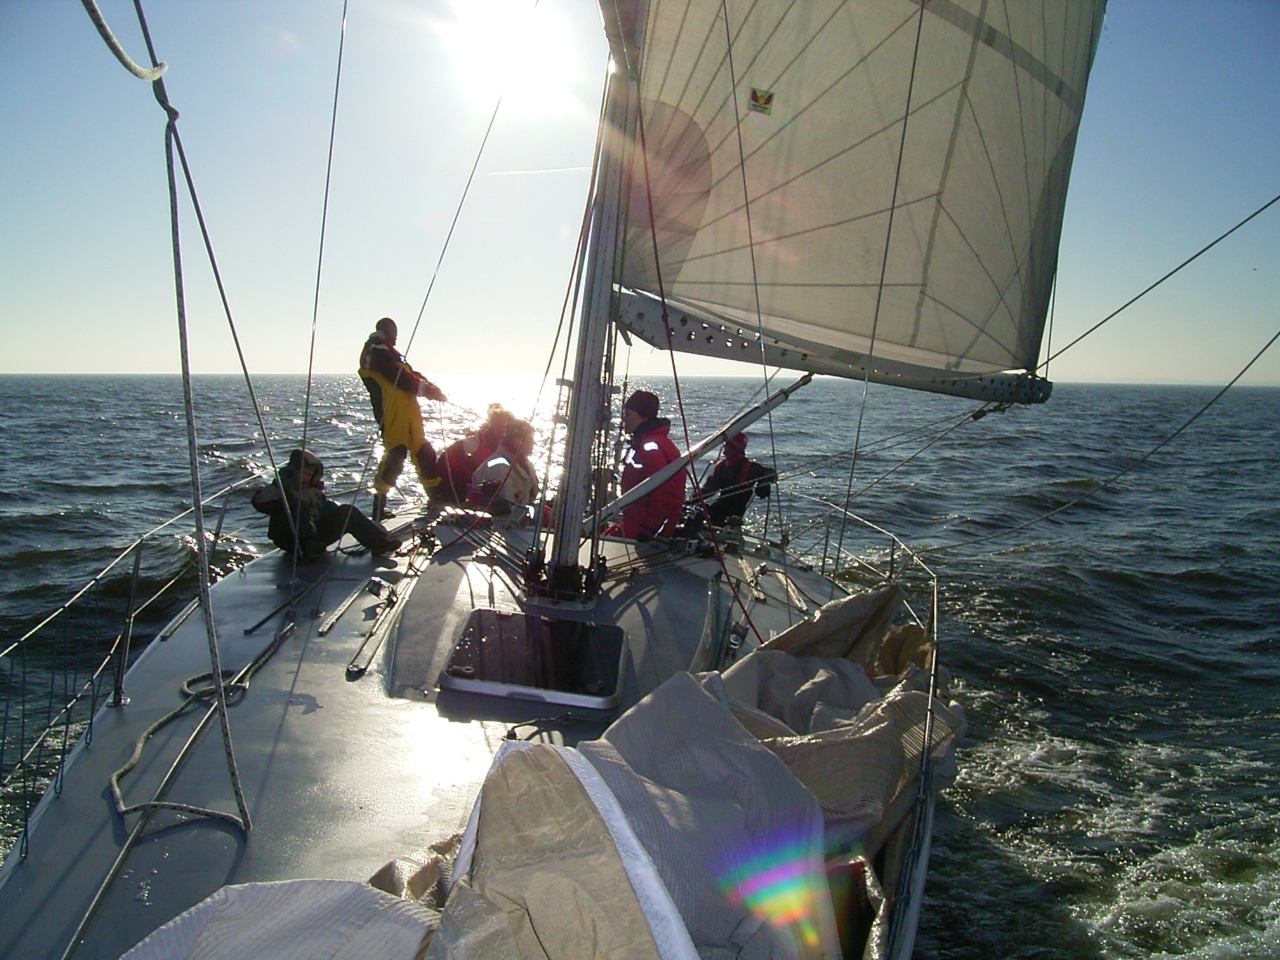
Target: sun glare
point(513, 48)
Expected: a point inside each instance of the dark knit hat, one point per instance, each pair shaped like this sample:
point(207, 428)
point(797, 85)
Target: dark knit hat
point(737, 442)
point(644, 403)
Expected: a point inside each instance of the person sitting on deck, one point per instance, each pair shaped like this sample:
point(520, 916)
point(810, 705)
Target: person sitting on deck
point(299, 493)
point(394, 388)
point(460, 459)
point(734, 479)
point(651, 449)
point(506, 478)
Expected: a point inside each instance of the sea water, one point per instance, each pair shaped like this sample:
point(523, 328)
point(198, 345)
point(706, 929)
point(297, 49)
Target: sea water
point(1117, 659)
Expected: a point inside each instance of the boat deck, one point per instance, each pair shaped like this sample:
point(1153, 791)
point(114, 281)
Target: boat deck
point(341, 770)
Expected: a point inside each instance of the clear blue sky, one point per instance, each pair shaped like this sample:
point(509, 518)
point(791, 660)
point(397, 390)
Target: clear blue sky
point(1181, 139)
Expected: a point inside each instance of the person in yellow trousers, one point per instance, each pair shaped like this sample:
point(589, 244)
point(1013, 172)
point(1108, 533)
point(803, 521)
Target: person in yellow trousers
point(394, 388)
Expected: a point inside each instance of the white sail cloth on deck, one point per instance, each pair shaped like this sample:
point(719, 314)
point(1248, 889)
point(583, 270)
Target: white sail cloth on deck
point(699, 811)
point(703, 819)
point(292, 920)
point(786, 199)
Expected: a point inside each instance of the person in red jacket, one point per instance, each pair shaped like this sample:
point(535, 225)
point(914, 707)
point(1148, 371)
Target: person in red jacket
point(651, 449)
point(461, 458)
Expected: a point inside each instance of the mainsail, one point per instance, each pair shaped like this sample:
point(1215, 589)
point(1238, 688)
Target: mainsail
point(821, 182)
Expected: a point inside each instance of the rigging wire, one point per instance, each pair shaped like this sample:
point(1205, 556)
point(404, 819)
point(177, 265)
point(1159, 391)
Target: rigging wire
point(444, 248)
point(568, 304)
point(884, 269)
point(142, 73)
point(1112, 479)
point(315, 311)
point(982, 411)
point(938, 438)
point(1130, 302)
point(324, 222)
point(568, 310)
point(364, 471)
point(1107, 483)
point(633, 70)
point(172, 144)
point(766, 377)
point(91, 7)
point(457, 213)
point(888, 442)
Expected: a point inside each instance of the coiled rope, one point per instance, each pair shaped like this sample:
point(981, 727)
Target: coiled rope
point(173, 151)
point(173, 148)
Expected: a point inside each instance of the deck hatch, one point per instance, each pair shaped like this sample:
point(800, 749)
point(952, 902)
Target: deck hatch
point(522, 656)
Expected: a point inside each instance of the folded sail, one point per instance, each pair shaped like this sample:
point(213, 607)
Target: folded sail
point(838, 180)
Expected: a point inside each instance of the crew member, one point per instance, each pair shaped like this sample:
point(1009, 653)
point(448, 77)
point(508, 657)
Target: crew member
point(657, 513)
point(299, 491)
point(394, 388)
point(735, 479)
point(506, 478)
point(460, 459)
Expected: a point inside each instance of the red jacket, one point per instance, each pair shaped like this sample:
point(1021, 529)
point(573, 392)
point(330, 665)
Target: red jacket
point(656, 514)
point(459, 461)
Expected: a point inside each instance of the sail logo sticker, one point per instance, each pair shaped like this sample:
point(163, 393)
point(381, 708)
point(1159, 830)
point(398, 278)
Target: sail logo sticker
point(761, 101)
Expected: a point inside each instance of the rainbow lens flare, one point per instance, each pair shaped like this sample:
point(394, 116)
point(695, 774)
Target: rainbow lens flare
point(782, 883)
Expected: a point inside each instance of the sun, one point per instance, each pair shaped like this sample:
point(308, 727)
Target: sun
point(519, 49)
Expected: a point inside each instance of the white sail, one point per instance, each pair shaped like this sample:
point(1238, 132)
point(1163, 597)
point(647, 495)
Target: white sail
point(843, 179)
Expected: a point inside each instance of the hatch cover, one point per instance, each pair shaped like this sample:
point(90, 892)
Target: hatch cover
point(516, 655)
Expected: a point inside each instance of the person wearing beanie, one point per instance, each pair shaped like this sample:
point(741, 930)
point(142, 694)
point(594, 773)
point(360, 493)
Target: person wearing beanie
point(651, 449)
point(735, 479)
point(296, 501)
point(394, 388)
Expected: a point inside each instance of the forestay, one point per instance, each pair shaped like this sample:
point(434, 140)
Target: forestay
point(844, 179)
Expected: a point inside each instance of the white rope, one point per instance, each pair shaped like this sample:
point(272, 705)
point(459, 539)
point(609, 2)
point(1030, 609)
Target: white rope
point(142, 73)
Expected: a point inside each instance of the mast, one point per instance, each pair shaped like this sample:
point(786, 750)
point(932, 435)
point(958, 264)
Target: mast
point(589, 400)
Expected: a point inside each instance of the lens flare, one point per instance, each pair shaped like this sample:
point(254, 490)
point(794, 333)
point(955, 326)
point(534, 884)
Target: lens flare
point(781, 882)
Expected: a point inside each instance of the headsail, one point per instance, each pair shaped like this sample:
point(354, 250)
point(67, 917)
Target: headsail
point(840, 179)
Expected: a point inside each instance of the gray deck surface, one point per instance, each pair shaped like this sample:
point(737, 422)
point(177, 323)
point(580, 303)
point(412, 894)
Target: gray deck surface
point(340, 774)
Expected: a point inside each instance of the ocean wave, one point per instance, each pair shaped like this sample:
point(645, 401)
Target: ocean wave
point(114, 488)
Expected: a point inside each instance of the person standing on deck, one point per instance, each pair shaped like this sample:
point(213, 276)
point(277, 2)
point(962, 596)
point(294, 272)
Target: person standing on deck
point(394, 388)
point(651, 449)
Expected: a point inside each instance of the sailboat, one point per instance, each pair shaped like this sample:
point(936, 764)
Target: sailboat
point(532, 735)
